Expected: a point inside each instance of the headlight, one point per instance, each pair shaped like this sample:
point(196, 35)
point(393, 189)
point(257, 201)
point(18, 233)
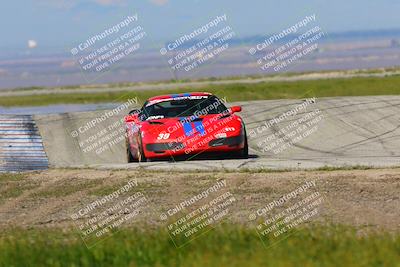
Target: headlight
point(220, 135)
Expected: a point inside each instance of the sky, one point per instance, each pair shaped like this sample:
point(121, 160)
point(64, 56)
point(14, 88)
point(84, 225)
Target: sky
point(64, 23)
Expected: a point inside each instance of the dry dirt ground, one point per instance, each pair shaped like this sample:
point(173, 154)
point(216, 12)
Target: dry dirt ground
point(364, 198)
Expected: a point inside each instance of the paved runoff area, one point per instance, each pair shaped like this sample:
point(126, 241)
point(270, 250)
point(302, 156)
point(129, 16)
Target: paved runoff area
point(304, 133)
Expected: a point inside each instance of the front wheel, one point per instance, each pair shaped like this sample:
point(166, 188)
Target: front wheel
point(140, 153)
point(244, 152)
point(129, 156)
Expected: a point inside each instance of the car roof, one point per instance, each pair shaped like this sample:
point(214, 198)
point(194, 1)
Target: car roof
point(160, 97)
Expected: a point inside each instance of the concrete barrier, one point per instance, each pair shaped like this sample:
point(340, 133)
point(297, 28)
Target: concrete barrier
point(67, 145)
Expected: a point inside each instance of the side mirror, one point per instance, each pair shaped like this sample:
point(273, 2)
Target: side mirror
point(131, 118)
point(236, 109)
point(133, 115)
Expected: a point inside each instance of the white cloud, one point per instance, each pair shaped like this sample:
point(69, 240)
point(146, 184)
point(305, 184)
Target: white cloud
point(32, 43)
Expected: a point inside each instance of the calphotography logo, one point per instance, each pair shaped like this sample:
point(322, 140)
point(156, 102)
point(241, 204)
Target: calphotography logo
point(288, 129)
point(198, 214)
point(104, 216)
point(279, 51)
point(101, 51)
point(105, 132)
point(202, 45)
point(280, 218)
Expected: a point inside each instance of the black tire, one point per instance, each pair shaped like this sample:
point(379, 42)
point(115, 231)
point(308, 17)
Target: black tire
point(140, 156)
point(244, 152)
point(129, 156)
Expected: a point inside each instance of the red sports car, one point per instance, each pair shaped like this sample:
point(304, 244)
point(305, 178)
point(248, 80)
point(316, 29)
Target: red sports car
point(184, 124)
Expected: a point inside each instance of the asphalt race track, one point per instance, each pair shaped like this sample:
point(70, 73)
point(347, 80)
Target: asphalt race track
point(334, 131)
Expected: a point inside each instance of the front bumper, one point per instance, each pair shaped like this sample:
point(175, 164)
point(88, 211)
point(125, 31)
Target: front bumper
point(168, 149)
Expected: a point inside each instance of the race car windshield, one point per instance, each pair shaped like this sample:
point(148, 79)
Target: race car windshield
point(183, 107)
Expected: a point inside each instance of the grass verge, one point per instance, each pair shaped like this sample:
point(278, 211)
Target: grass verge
point(224, 246)
point(233, 92)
